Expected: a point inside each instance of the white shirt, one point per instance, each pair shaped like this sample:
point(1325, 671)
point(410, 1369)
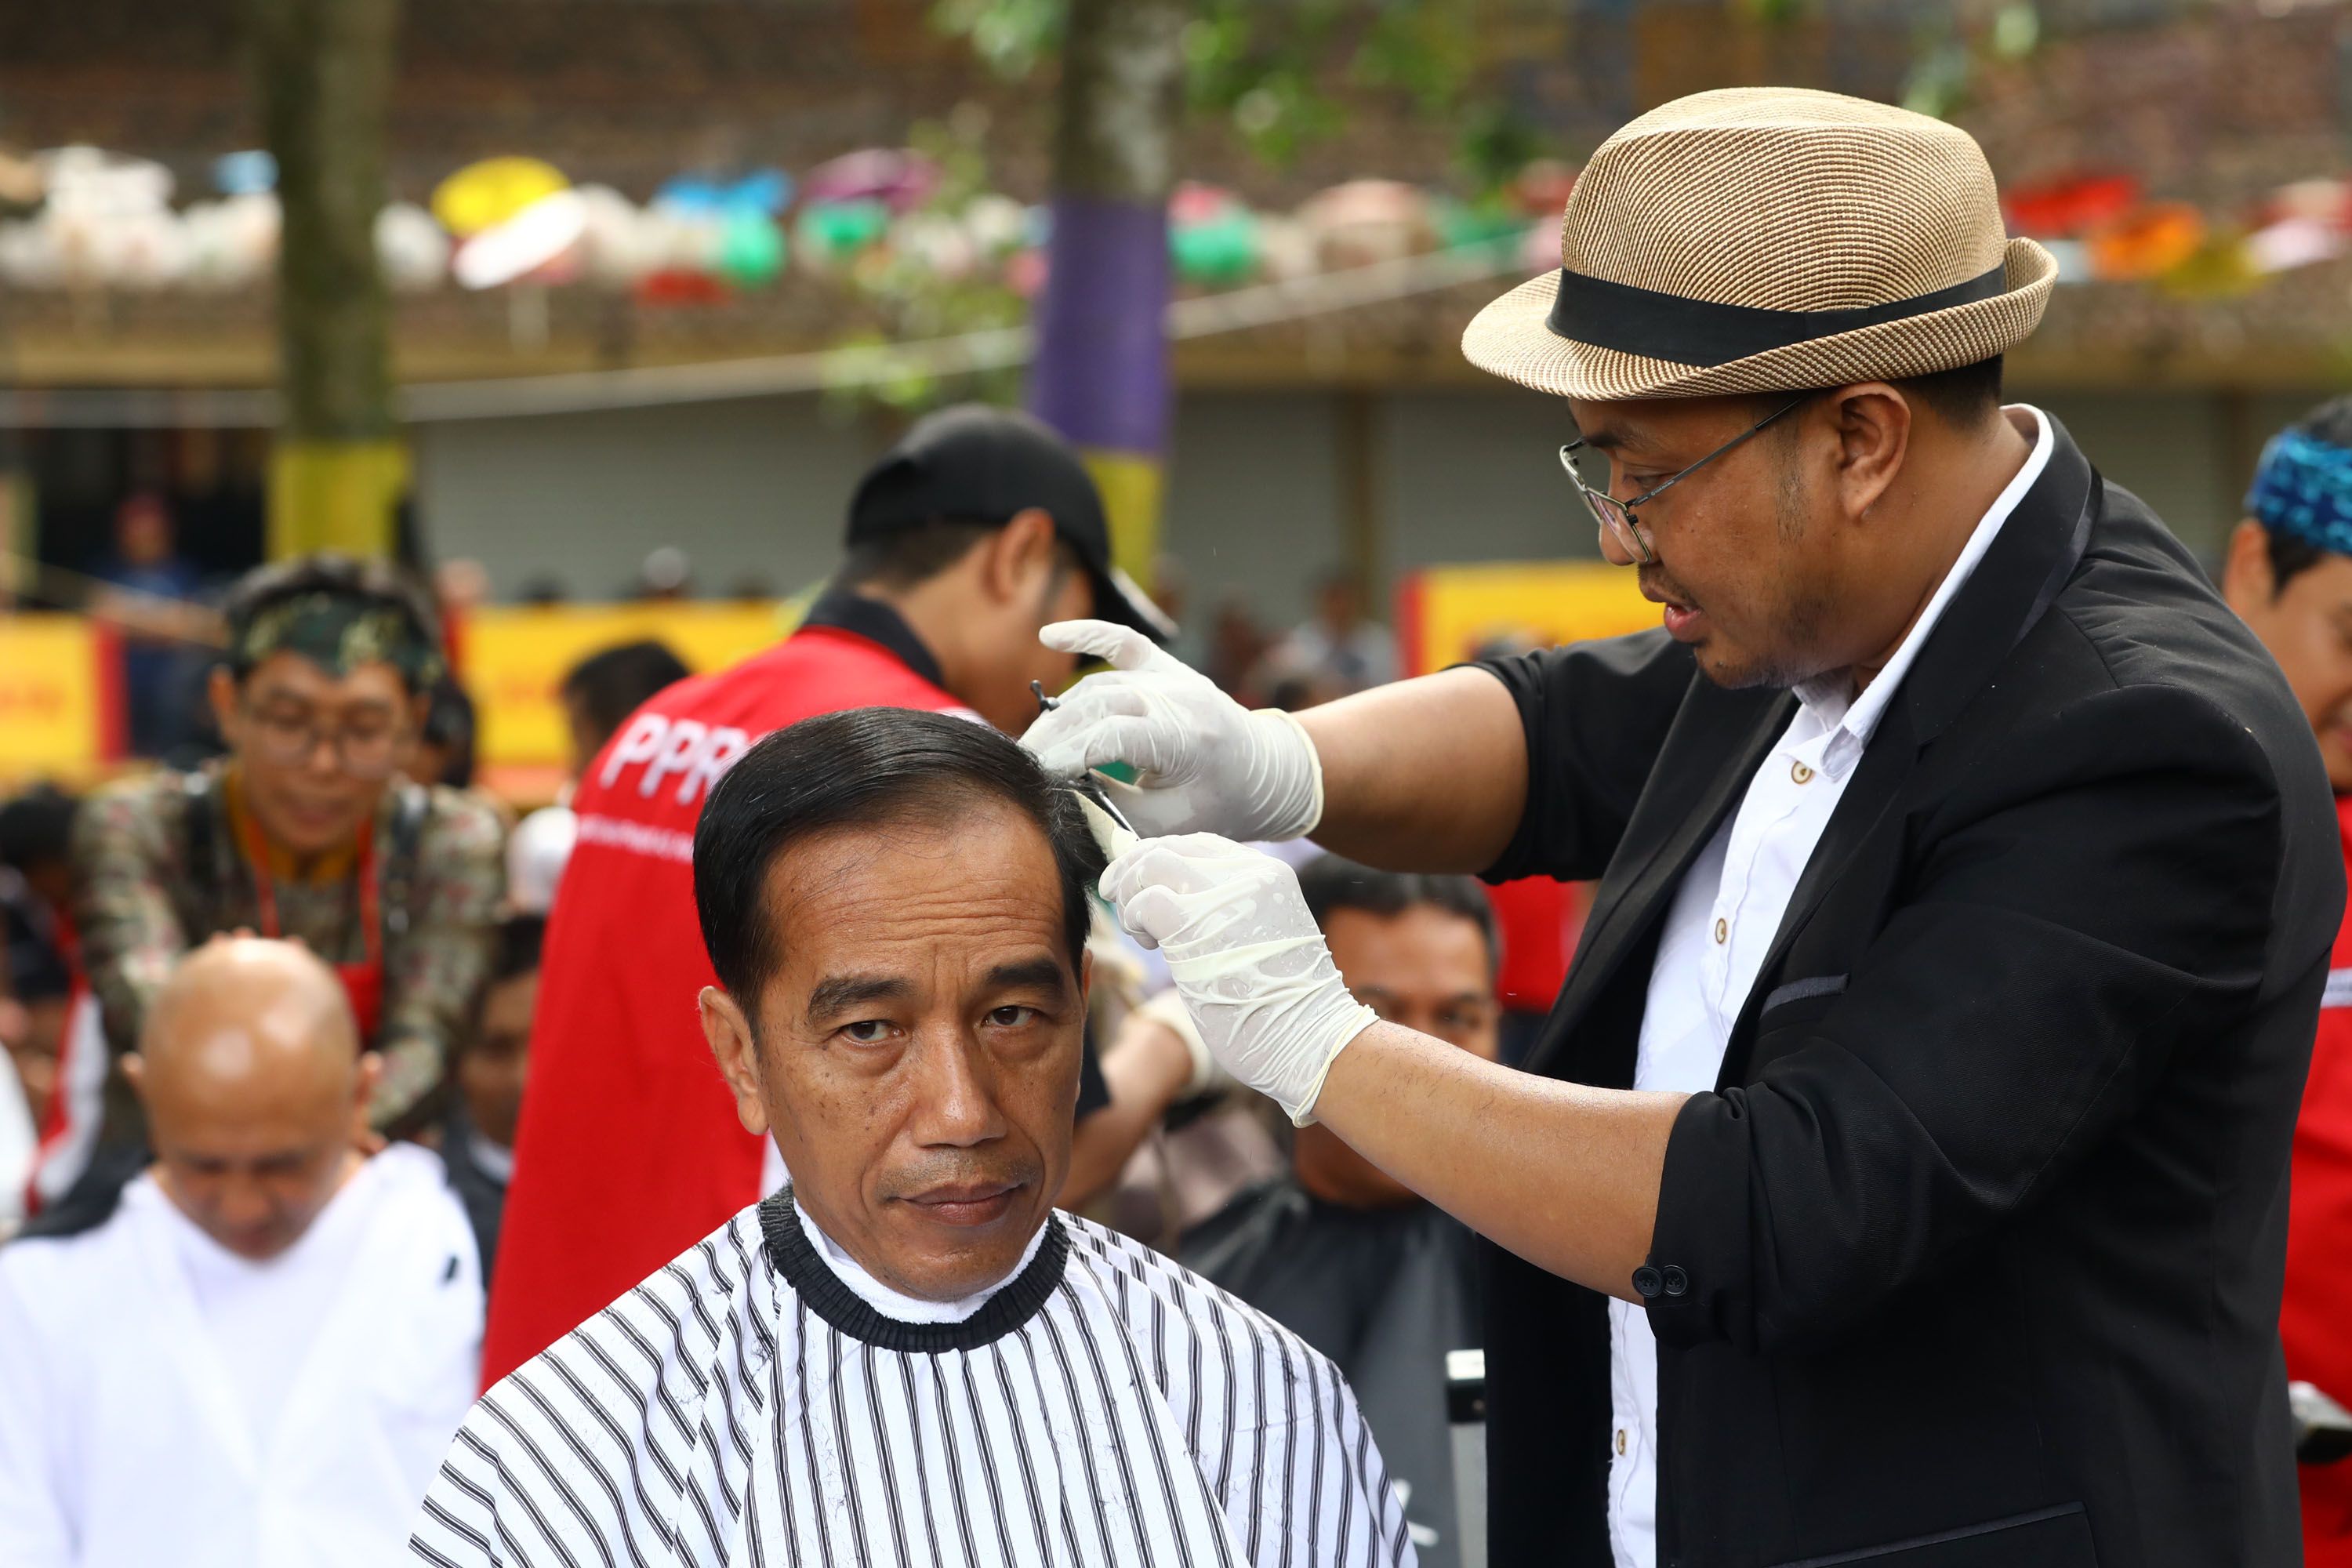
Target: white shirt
point(265, 1316)
point(1724, 920)
point(130, 1380)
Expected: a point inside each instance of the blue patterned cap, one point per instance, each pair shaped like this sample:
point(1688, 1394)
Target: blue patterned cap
point(2303, 487)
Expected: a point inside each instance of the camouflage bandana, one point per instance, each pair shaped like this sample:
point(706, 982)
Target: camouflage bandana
point(339, 633)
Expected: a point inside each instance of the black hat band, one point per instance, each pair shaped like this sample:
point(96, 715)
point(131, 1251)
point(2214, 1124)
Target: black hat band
point(1679, 330)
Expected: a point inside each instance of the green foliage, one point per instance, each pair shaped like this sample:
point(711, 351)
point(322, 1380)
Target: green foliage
point(1496, 141)
point(1011, 36)
point(1949, 50)
point(1262, 68)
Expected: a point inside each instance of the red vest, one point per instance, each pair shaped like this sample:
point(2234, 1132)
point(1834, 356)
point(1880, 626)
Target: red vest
point(2316, 1319)
point(629, 1148)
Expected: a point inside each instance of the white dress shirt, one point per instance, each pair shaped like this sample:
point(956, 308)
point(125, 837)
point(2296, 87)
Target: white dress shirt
point(1724, 920)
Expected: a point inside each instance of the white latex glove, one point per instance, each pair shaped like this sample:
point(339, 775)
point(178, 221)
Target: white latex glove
point(1246, 957)
point(1206, 762)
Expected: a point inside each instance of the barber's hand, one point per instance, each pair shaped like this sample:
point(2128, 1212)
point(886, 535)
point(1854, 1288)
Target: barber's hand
point(1206, 762)
point(1247, 958)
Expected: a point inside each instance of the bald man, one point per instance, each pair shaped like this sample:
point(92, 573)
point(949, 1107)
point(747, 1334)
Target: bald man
point(258, 1357)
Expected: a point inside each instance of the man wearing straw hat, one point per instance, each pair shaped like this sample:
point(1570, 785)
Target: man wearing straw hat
point(1902, 1175)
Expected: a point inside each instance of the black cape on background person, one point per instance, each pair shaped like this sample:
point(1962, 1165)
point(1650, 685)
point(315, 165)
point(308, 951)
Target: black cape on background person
point(1385, 1293)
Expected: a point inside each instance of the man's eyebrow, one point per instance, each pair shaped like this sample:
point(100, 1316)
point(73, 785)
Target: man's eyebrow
point(836, 993)
point(1045, 974)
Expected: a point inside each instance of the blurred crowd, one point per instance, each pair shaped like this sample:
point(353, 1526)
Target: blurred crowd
point(304, 839)
point(271, 1006)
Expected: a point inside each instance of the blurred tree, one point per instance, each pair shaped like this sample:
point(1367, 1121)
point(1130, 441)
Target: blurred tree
point(1129, 69)
point(1100, 376)
point(323, 72)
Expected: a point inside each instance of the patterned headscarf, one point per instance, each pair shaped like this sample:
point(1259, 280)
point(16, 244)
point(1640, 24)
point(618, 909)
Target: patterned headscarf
point(2303, 488)
point(338, 632)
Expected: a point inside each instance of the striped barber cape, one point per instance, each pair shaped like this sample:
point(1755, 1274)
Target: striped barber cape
point(1104, 1408)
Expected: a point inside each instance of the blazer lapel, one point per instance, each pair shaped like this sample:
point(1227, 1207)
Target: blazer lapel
point(2037, 549)
point(1713, 750)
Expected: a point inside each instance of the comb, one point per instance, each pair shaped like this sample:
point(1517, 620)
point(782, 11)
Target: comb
point(1113, 835)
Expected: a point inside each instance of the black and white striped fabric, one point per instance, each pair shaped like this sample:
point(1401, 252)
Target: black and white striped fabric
point(1105, 1409)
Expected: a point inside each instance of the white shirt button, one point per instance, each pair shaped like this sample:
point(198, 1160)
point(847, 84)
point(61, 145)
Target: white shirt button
point(1801, 773)
point(1722, 930)
point(1621, 1441)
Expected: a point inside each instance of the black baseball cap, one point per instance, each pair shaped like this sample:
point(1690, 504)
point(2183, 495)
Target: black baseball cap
point(974, 463)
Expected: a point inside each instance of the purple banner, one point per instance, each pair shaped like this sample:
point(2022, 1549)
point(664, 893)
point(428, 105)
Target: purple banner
point(1101, 373)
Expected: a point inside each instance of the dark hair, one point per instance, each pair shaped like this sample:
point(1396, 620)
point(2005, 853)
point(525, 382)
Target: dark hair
point(915, 555)
point(522, 940)
point(863, 768)
point(2292, 554)
point(1331, 883)
point(37, 826)
point(1964, 396)
point(449, 724)
point(371, 584)
point(911, 556)
point(610, 685)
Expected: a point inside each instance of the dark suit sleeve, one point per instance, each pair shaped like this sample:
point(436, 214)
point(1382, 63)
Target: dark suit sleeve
point(1595, 714)
point(2072, 923)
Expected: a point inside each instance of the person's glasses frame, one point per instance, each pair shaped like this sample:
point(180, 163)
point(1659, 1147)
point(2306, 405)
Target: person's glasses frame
point(287, 741)
point(1617, 516)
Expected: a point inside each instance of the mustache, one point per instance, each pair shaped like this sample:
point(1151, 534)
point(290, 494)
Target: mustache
point(946, 1169)
point(1658, 585)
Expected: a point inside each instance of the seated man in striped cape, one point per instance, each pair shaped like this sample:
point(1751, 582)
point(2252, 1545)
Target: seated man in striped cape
point(906, 1356)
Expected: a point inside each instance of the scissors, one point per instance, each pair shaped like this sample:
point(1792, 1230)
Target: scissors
point(1113, 832)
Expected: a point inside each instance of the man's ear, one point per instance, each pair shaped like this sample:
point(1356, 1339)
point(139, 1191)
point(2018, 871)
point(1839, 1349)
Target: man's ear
point(134, 1073)
point(738, 1054)
point(221, 690)
point(2248, 581)
point(371, 1073)
point(1020, 556)
point(1873, 423)
point(1085, 977)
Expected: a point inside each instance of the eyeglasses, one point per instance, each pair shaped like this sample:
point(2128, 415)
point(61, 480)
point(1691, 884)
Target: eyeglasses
point(1616, 517)
point(369, 749)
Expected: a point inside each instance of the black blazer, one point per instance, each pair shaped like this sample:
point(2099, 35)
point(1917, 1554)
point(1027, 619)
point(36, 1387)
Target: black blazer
point(1974, 1256)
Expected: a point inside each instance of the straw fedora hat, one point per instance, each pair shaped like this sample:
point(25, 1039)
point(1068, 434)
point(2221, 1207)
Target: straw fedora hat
point(1770, 239)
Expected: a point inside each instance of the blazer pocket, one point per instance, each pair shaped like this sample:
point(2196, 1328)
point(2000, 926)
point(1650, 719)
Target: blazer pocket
point(2057, 1536)
point(1799, 1001)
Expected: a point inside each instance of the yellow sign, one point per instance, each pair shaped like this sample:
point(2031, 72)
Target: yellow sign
point(1448, 614)
point(59, 713)
point(514, 660)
